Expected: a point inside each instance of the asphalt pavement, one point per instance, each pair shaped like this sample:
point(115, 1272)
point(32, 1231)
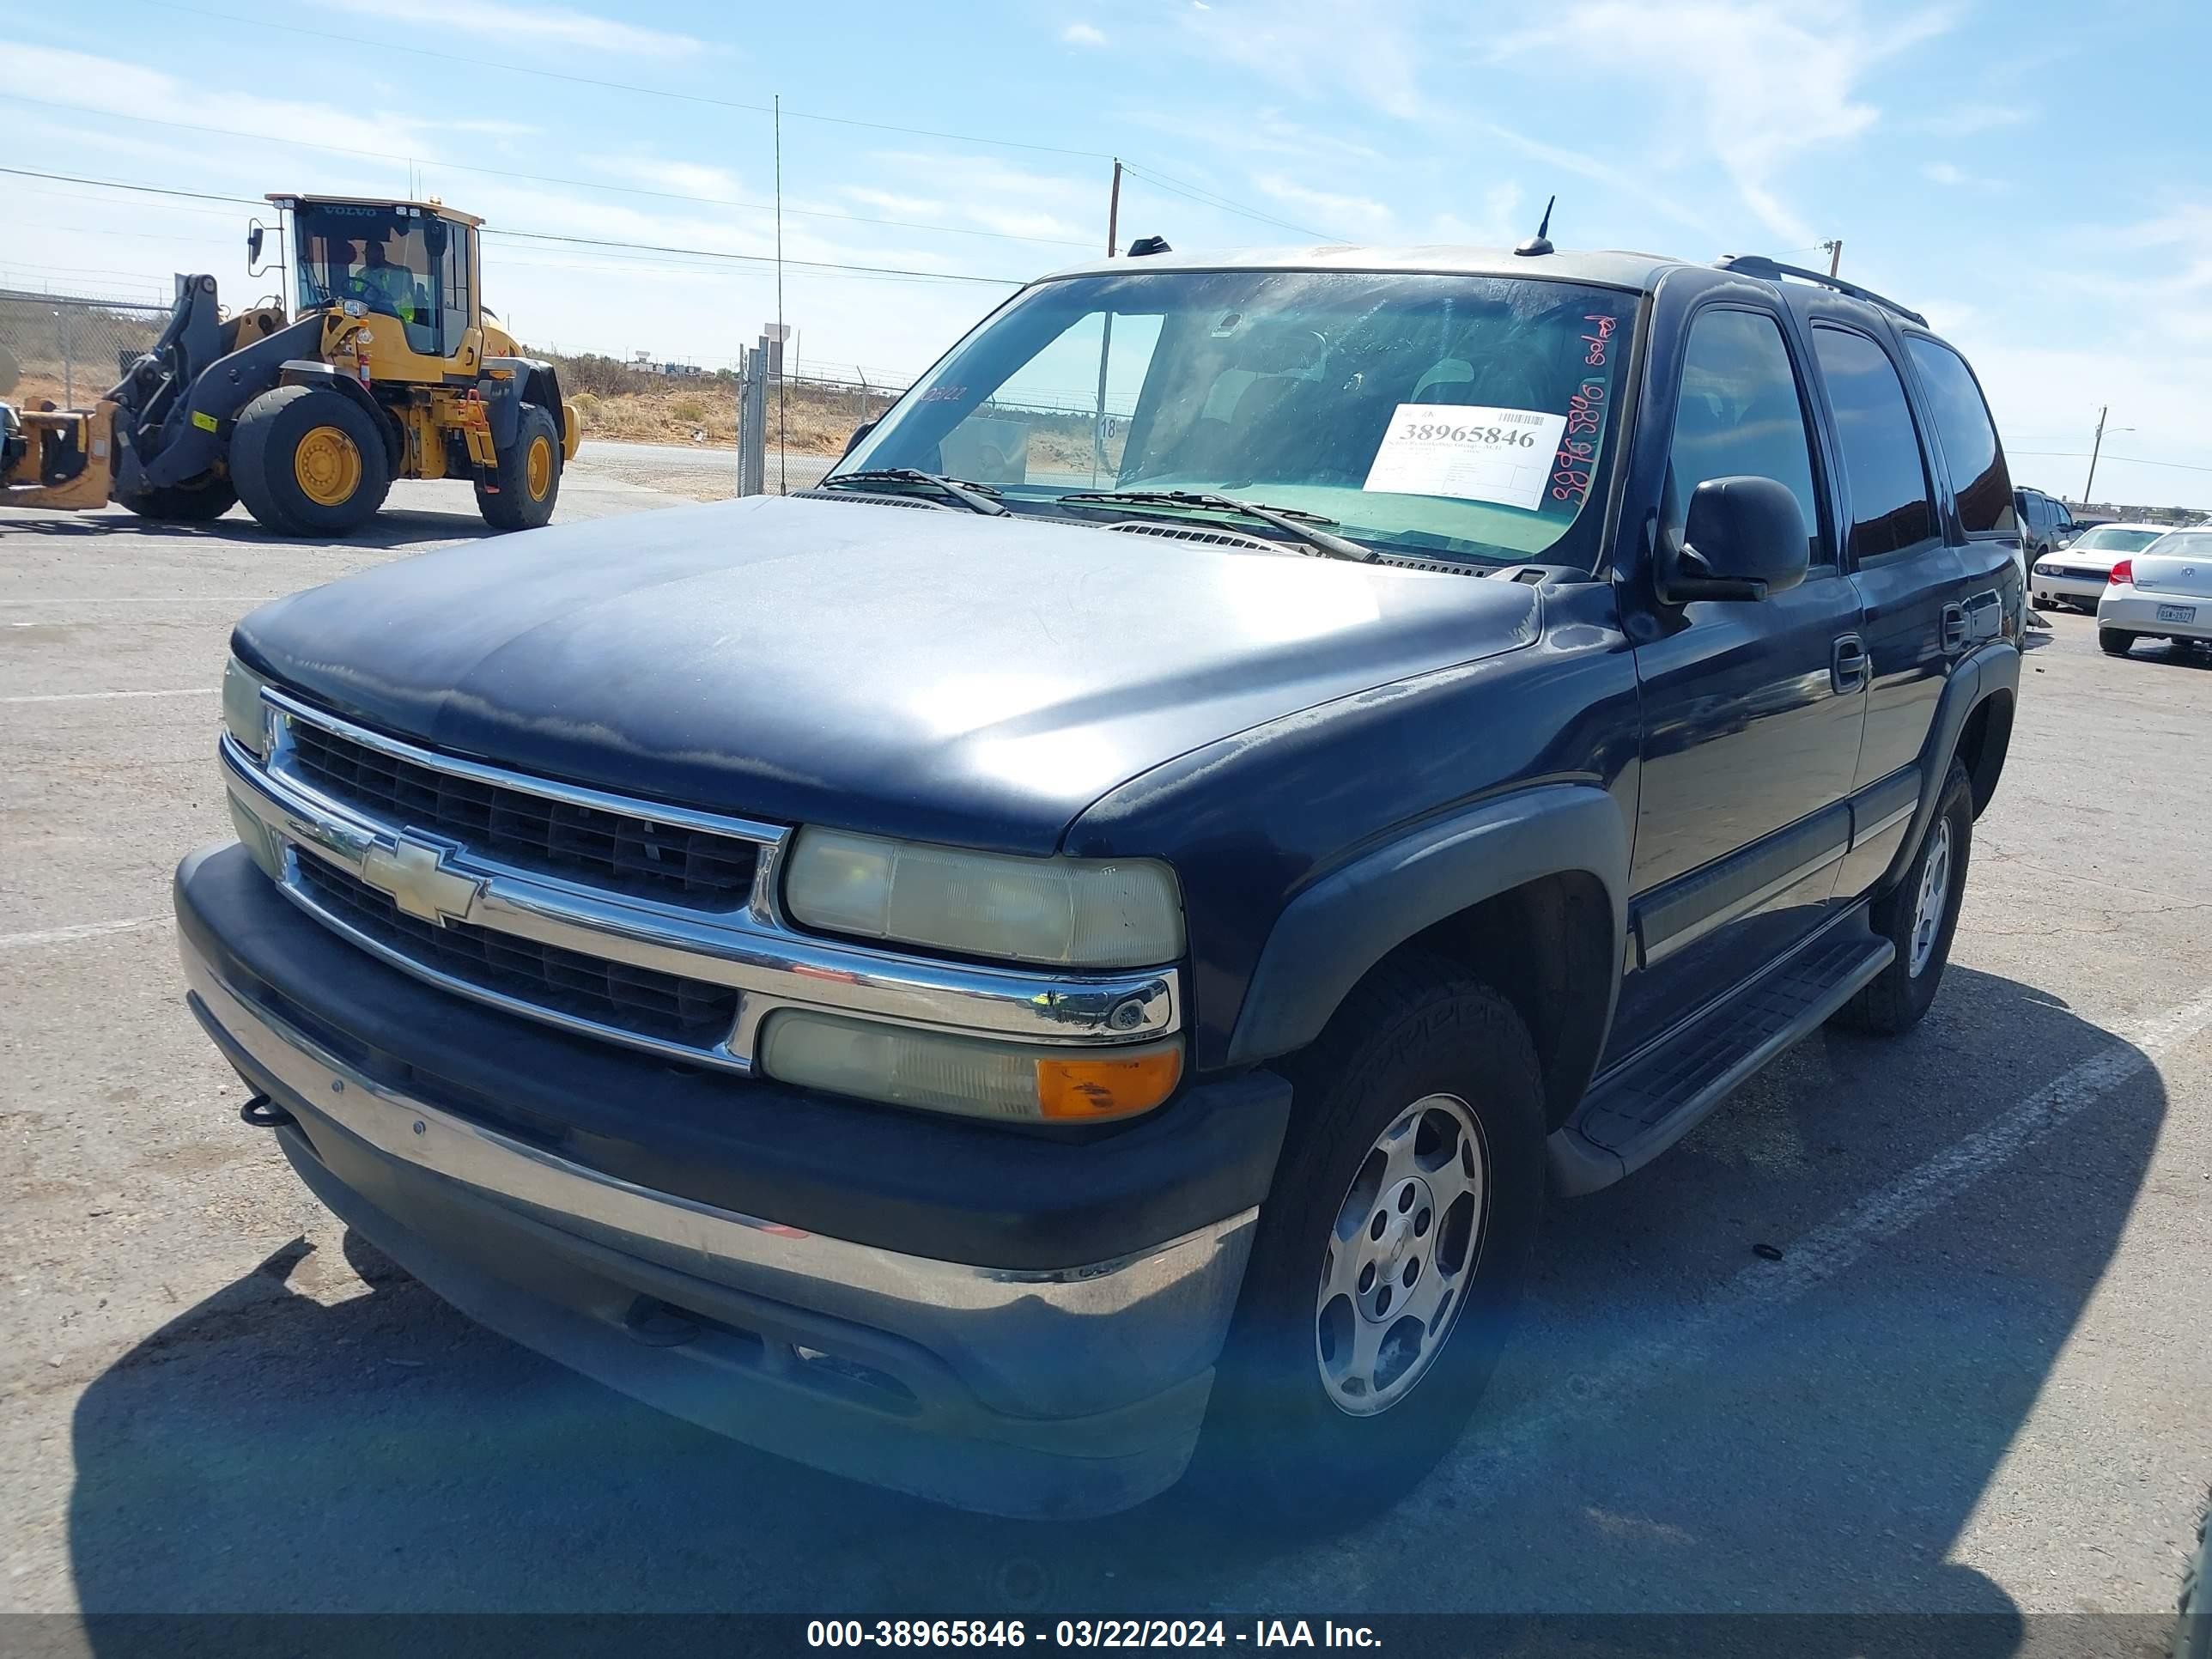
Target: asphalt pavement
point(1969, 1373)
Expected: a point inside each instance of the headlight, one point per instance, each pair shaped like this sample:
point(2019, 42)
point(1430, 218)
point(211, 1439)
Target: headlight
point(1075, 913)
point(244, 714)
point(967, 1075)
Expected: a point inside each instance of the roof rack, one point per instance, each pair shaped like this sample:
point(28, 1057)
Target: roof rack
point(1773, 270)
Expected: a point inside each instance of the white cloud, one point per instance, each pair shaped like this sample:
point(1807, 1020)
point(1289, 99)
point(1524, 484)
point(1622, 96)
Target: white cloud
point(675, 178)
point(1965, 119)
point(1500, 226)
point(543, 26)
point(1347, 212)
point(1367, 49)
point(1953, 177)
point(1766, 84)
point(1082, 34)
point(114, 87)
point(892, 200)
point(998, 196)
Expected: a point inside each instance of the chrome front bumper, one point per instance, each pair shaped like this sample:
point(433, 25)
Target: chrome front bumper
point(1064, 1392)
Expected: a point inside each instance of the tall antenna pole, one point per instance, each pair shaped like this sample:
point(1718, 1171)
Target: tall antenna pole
point(2094, 450)
point(1113, 210)
point(781, 486)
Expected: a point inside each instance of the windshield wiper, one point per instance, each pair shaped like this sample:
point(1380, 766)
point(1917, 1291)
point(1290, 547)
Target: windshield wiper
point(976, 497)
point(1290, 520)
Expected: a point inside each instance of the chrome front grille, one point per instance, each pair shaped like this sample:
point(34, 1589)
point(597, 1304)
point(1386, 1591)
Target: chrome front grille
point(666, 1007)
point(622, 853)
point(634, 922)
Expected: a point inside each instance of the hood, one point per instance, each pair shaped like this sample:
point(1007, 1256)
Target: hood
point(935, 674)
point(2082, 558)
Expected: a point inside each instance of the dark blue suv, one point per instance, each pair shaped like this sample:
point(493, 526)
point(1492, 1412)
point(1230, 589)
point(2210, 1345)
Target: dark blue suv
point(1093, 935)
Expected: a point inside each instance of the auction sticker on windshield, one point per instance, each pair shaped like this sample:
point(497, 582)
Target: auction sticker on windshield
point(1475, 453)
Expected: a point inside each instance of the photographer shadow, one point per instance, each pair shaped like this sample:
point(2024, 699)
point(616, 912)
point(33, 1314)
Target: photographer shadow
point(1671, 1436)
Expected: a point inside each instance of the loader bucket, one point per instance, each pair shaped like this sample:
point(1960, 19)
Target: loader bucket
point(56, 458)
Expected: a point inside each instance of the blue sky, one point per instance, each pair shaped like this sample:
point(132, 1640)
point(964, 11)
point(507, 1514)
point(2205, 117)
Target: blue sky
point(2036, 177)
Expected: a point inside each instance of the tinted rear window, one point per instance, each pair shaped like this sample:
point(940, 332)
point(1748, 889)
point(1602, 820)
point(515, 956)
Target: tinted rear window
point(1978, 482)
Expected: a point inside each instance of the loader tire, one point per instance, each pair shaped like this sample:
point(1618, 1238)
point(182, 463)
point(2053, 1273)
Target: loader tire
point(200, 502)
point(308, 461)
point(526, 481)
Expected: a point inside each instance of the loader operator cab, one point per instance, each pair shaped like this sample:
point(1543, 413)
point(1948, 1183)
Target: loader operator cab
point(409, 263)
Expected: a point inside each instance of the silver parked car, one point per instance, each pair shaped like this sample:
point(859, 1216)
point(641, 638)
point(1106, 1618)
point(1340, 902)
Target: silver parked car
point(2165, 591)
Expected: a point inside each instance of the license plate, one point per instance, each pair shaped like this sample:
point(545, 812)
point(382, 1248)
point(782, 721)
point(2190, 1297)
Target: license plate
point(2180, 613)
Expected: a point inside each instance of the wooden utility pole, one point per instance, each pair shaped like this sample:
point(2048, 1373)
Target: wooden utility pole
point(1835, 254)
point(2095, 449)
point(1114, 210)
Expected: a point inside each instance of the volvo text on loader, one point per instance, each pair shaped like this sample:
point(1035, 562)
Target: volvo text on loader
point(388, 368)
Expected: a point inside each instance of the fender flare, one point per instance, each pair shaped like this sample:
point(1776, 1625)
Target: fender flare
point(529, 380)
point(1988, 671)
point(1329, 936)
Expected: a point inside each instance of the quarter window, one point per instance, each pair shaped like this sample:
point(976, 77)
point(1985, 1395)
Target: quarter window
point(1739, 415)
point(1891, 508)
point(1978, 483)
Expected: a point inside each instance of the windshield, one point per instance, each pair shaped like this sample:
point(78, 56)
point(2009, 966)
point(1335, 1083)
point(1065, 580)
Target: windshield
point(2104, 540)
point(387, 258)
point(1462, 417)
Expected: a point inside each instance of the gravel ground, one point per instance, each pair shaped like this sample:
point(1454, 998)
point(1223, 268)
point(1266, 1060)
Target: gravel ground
point(1976, 1380)
point(704, 472)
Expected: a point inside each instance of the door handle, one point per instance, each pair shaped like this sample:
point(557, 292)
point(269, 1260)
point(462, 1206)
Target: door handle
point(1954, 627)
point(1848, 663)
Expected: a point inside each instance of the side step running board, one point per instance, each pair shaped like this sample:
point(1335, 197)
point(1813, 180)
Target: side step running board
point(1636, 1112)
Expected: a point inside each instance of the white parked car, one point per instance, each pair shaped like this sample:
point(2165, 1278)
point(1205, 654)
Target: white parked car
point(2165, 591)
point(2076, 574)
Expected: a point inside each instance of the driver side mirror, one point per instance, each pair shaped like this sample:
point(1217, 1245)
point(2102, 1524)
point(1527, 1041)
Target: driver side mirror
point(1745, 538)
point(854, 442)
point(254, 246)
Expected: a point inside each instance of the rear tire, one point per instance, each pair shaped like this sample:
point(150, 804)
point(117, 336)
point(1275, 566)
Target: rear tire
point(1920, 916)
point(528, 476)
point(309, 461)
point(199, 502)
point(1302, 1431)
point(2114, 641)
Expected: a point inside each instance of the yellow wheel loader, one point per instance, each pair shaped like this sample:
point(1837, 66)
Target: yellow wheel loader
point(388, 368)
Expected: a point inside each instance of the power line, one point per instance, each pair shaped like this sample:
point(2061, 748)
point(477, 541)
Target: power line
point(904, 272)
point(1222, 203)
point(2083, 455)
point(764, 258)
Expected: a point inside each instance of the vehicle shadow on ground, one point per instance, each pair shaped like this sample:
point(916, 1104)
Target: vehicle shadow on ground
point(356, 1445)
point(393, 527)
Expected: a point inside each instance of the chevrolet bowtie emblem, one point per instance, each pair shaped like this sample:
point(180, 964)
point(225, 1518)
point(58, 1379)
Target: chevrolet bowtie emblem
point(414, 873)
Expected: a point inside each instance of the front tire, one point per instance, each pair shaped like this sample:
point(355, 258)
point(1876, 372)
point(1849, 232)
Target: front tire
point(526, 481)
point(309, 461)
point(2114, 641)
point(1390, 1254)
point(1920, 916)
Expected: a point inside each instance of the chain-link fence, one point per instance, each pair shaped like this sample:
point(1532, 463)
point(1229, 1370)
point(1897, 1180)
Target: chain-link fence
point(68, 348)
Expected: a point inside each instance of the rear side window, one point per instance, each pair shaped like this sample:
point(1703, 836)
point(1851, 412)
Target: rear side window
point(1978, 482)
point(1890, 510)
point(1739, 415)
